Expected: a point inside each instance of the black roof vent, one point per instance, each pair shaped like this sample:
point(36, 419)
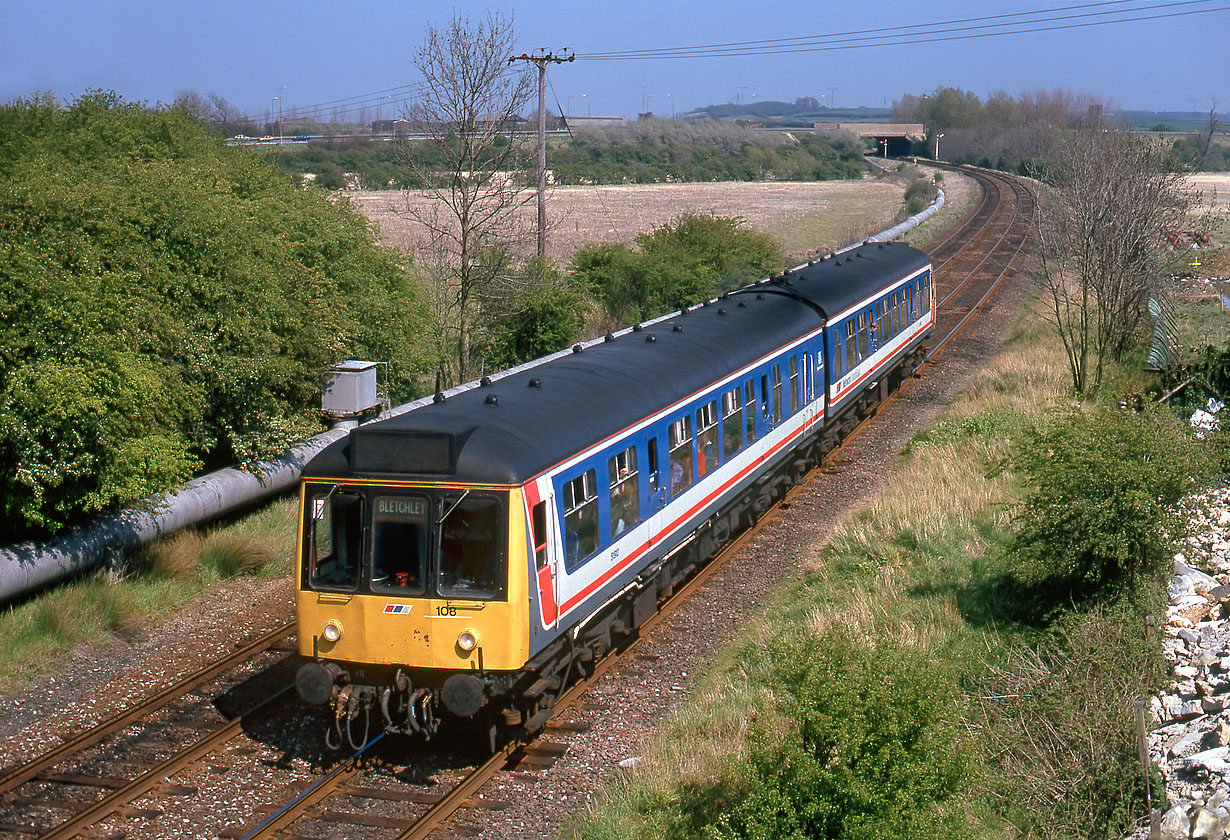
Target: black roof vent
point(677, 328)
point(760, 296)
point(492, 399)
point(879, 244)
point(439, 397)
point(725, 295)
point(609, 337)
point(637, 328)
point(683, 311)
point(485, 381)
point(722, 311)
point(651, 338)
point(535, 382)
point(577, 348)
point(743, 304)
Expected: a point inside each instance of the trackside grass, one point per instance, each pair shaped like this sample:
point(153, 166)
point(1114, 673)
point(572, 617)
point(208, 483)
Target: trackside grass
point(904, 688)
point(163, 577)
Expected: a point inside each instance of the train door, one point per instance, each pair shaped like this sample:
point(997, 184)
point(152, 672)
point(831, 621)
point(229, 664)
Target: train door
point(657, 494)
point(546, 560)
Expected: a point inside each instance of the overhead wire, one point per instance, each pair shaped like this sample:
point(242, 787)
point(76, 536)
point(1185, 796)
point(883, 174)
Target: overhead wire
point(1099, 13)
point(921, 34)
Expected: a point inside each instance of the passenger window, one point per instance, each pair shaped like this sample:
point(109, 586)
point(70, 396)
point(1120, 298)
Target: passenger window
point(706, 438)
point(336, 540)
point(625, 498)
point(400, 540)
point(862, 336)
point(903, 300)
point(732, 423)
point(538, 523)
point(681, 454)
point(749, 410)
point(471, 547)
point(886, 321)
point(918, 309)
point(777, 394)
point(580, 518)
point(896, 313)
point(794, 384)
point(851, 356)
point(925, 284)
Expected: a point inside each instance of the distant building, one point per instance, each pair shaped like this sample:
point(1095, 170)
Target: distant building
point(915, 132)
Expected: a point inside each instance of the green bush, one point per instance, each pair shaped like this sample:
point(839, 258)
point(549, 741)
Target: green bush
point(167, 303)
point(863, 744)
point(1099, 517)
point(545, 318)
point(692, 258)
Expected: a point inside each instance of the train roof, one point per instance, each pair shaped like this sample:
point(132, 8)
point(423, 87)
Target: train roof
point(521, 424)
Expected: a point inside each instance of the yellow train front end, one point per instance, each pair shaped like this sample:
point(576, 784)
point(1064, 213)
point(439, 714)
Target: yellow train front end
point(411, 600)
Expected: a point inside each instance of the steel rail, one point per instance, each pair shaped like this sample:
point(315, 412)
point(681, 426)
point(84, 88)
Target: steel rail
point(92, 736)
point(147, 781)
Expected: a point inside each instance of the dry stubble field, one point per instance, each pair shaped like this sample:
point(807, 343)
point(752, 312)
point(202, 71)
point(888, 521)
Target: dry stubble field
point(807, 218)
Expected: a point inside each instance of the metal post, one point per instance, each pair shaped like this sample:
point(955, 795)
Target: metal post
point(542, 158)
point(542, 59)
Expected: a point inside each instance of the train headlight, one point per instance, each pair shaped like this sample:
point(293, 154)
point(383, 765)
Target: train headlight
point(468, 640)
point(332, 631)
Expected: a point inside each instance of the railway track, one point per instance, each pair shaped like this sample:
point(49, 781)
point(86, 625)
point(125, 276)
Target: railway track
point(972, 262)
point(357, 794)
point(155, 737)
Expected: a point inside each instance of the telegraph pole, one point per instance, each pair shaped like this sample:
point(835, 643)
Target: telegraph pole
point(542, 58)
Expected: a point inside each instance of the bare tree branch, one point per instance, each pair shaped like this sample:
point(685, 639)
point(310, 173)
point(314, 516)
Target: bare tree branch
point(477, 176)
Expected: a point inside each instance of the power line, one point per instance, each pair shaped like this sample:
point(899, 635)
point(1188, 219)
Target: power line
point(924, 33)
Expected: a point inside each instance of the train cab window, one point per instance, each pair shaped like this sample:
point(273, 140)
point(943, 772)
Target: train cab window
point(732, 423)
point(400, 540)
point(335, 540)
point(538, 526)
point(625, 497)
point(777, 394)
point(794, 384)
point(471, 547)
point(681, 454)
point(706, 439)
point(851, 356)
point(749, 410)
point(580, 518)
point(862, 336)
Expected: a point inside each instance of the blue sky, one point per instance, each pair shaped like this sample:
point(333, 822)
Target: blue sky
point(309, 52)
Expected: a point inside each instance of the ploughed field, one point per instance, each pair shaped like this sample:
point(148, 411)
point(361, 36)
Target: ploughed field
point(807, 218)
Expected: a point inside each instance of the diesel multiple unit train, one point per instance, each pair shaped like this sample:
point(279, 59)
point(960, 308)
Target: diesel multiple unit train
point(467, 558)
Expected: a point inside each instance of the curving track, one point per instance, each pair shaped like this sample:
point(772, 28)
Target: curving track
point(355, 799)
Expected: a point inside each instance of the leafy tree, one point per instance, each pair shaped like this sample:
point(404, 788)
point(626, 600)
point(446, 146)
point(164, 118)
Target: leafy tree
point(167, 302)
point(694, 257)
